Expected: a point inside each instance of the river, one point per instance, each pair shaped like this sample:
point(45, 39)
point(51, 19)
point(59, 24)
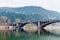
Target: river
point(19, 34)
point(15, 35)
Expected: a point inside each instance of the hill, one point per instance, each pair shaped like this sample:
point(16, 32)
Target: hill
point(31, 13)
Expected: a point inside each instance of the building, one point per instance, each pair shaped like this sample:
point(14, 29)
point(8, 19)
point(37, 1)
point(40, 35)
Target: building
point(4, 19)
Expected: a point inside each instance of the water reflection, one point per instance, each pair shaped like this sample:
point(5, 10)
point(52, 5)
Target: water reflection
point(15, 34)
point(30, 28)
point(21, 34)
point(53, 28)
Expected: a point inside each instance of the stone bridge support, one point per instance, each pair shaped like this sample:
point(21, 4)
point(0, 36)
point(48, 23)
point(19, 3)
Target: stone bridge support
point(39, 28)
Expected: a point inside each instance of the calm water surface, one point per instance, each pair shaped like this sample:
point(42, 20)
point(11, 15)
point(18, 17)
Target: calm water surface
point(17, 35)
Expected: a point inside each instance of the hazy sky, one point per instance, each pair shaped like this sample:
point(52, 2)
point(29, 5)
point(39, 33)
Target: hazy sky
point(47, 4)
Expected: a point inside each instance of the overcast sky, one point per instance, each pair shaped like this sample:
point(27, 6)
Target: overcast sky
point(47, 4)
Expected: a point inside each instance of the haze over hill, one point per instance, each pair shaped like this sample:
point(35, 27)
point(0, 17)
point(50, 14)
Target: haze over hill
point(31, 13)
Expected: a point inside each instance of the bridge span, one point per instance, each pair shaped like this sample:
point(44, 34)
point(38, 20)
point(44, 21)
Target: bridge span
point(40, 24)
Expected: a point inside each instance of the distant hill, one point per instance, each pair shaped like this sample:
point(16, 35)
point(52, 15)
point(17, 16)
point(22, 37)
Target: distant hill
point(31, 13)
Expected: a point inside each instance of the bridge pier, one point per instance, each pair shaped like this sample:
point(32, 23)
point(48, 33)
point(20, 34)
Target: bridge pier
point(39, 28)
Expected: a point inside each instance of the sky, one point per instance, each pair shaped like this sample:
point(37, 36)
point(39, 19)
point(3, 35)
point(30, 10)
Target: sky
point(47, 4)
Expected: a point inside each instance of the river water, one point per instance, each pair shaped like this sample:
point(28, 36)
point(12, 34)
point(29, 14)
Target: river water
point(18, 35)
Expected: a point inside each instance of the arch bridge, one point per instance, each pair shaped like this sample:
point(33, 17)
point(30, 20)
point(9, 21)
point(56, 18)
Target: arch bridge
point(40, 24)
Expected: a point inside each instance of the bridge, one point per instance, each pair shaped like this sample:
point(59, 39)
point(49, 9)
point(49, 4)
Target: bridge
point(40, 24)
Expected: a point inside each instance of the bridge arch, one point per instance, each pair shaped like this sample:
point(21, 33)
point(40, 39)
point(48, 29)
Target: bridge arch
point(29, 27)
point(49, 22)
point(29, 23)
